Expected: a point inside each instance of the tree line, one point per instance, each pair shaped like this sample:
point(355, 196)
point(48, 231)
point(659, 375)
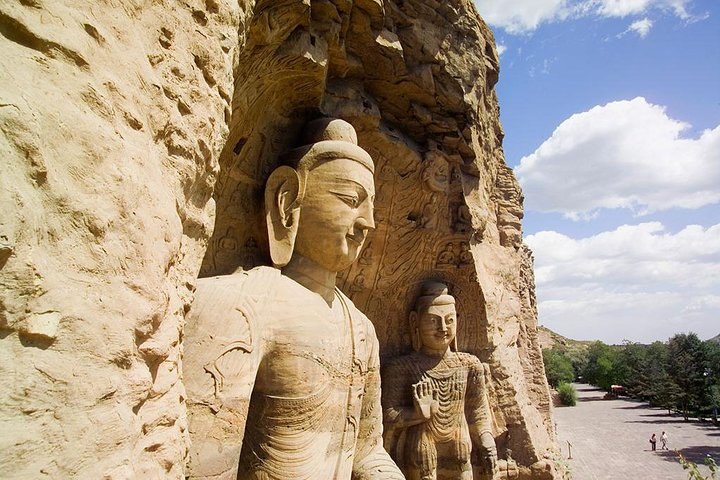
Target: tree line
point(682, 374)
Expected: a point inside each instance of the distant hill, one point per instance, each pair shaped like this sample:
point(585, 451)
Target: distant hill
point(549, 339)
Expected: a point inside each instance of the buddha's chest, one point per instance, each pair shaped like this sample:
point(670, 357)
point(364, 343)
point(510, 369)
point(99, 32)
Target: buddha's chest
point(310, 351)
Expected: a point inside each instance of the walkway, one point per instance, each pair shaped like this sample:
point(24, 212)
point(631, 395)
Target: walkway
point(610, 439)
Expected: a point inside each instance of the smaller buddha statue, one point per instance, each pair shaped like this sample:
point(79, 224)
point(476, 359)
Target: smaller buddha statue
point(437, 418)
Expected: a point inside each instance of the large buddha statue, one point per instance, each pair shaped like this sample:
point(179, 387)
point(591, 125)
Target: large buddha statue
point(437, 417)
point(281, 369)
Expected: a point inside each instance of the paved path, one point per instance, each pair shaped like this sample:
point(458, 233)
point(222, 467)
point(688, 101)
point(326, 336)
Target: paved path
point(610, 439)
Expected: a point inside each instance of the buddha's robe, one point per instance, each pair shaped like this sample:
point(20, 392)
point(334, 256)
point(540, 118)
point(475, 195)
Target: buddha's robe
point(440, 447)
point(281, 385)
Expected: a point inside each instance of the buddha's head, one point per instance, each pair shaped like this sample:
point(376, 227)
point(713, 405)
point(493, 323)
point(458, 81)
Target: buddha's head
point(319, 204)
point(433, 320)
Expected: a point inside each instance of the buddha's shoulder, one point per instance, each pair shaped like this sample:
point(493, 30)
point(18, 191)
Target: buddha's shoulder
point(243, 281)
point(243, 293)
point(404, 363)
point(468, 359)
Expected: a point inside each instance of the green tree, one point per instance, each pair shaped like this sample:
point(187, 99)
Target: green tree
point(579, 357)
point(655, 383)
point(712, 350)
point(688, 369)
point(558, 367)
point(600, 369)
point(631, 367)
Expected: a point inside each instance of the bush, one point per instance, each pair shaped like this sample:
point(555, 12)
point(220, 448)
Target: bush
point(568, 395)
point(694, 471)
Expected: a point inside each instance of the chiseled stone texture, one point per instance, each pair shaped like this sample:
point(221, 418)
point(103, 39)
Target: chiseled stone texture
point(112, 115)
point(117, 119)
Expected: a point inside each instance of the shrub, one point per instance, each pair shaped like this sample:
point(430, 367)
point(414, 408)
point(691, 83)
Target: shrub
point(568, 395)
point(692, 468)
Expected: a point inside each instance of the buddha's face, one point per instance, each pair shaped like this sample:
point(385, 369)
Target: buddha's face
point(437, 325)
point(336, 213)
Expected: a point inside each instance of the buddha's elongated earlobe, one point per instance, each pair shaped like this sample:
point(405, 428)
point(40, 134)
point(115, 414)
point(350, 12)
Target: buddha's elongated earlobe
point(282, 213)
point(415, 332)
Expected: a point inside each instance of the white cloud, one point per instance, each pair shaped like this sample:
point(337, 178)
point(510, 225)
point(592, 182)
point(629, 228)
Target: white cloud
point(501, 49)
point(522, 16)
point(637, 282)
point(623, 8)
point(641, 27)
point(626, 154)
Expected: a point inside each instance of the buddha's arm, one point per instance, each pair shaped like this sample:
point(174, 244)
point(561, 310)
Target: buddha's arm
point(372, 460)
point(479, 416)
point(220, 363)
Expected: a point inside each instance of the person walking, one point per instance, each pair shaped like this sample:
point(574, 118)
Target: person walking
point(663, 440)
point(653, 442)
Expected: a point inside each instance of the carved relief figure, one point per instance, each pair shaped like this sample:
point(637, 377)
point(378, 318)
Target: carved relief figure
point(281, 369)
point(436, 172)
point(463, 221)
point(466, 257)
point(358, 284)
point(447, 256)
point(366, 257)
point(428, 219)
point(436, 413)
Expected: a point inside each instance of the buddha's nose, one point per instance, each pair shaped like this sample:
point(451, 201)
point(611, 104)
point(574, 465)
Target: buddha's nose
point(366, 220)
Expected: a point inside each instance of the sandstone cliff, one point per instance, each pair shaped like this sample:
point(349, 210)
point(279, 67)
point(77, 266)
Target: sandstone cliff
point(136, 140)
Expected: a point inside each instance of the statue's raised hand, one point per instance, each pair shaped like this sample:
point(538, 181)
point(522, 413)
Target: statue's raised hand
point(425, 399)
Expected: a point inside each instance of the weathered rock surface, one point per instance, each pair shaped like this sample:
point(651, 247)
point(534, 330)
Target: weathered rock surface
point(118, 118)
point(112, 114)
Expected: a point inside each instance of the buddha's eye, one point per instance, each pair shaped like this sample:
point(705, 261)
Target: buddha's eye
point(353, 200)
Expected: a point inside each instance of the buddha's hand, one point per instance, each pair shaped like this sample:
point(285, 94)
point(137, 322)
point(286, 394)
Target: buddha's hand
point(488, 453)
point(425, 399)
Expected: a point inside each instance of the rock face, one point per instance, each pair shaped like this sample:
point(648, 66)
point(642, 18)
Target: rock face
point(113, 115)
point(136, 142)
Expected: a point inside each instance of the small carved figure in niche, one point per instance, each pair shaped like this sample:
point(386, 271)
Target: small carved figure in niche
point(455, 175)
point(435, 173)
point(228, 241)
point(380, 216)
point(447, 256)
point(227, 248)
point(466, 257)
point(464, 219)
point(358, 284)
point(251, 253)
point(281, 369)
point(436, 414)
point(366, 255)
point(428, 219)
point(384, 190)
point(236, 198)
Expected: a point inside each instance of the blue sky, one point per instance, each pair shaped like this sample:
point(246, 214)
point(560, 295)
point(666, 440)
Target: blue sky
point(611, 111)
